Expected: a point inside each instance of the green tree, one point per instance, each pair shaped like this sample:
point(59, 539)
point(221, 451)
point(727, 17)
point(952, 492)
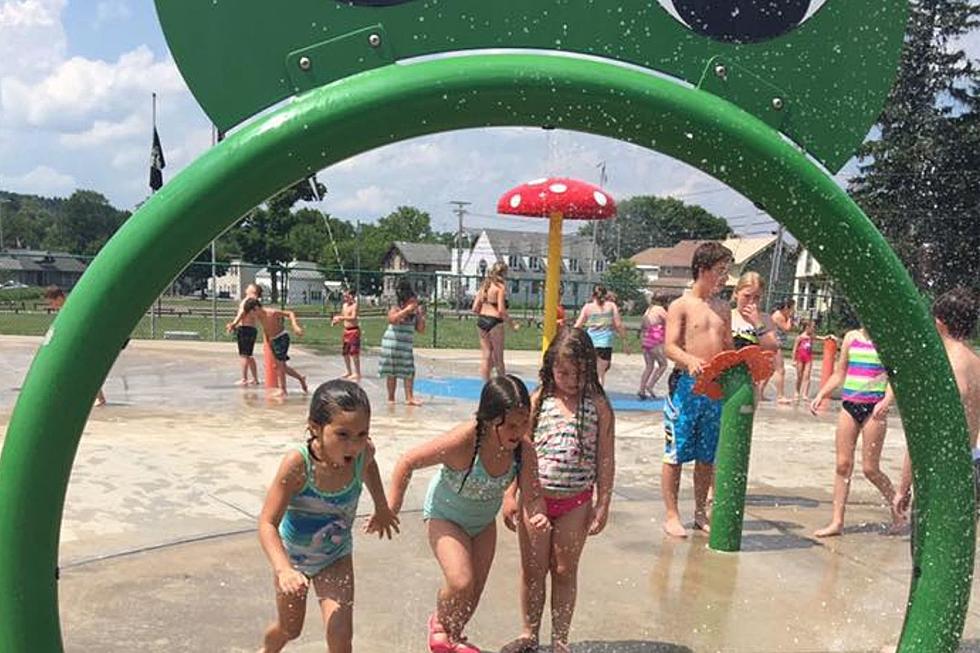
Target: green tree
point(624, 279)
point(85, 224)
point(647, 221)
point(262, 236)
point(407, 223)
point(919, 180)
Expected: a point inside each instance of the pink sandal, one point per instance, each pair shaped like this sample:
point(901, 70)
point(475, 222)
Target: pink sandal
point(435, 628)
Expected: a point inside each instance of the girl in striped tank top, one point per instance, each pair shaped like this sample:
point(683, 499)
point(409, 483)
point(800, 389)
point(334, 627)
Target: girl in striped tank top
point(572, 432)
point(307, 522)
point(865, 384)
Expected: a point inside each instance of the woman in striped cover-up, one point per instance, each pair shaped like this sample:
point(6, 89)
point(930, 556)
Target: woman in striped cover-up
point(397, 355)
point(865, 382)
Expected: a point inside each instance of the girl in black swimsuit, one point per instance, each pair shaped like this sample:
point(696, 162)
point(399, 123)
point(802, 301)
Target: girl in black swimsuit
point(490, 305)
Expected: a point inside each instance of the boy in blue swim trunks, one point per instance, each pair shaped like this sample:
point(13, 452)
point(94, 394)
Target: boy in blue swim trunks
point(698, 327)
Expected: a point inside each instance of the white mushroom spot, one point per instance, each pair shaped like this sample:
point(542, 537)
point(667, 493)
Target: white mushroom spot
point(557, 188)
point(600, 199)
point(537, 182)
point(515, 201)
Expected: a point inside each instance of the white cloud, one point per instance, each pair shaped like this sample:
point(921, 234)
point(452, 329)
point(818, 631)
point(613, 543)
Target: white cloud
point(103, 133)
point(80, 90)
point(32, 38)
point(42, 180)
point(367, 200)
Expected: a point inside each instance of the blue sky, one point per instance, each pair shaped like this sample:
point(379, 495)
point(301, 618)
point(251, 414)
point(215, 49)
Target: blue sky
point(75, 85)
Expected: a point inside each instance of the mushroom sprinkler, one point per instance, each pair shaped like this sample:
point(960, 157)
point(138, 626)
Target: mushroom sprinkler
point(556, 198)
point(731, 376)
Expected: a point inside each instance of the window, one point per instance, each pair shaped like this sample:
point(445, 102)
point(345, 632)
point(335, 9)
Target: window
point(515, 287)
point(514, 261)
point(483, 267)
point(535, 287)
point(534, 263)
point(599, 266)
point(573, 265)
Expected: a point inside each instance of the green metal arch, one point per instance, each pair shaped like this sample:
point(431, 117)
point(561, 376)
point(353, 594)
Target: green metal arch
point(397, 102)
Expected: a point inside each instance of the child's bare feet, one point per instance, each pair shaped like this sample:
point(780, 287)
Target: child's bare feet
point(830, 530)
point(702, 522)
point(783, 400)
point(413, 402)
point(356, 378)
point(560, 647)
point(674, 528)
point(346, 376)
point(241, 382)
point(523, 644)
point(391, 401)
point(302, 384)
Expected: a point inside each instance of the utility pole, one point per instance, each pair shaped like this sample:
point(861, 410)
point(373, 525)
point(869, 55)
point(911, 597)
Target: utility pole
point(460, 211)
point(595, 224)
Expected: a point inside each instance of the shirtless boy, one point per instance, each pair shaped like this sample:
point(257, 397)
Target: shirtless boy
point(956, 319)
point(271, 320)
point(352, 335)
point(246, 333)
point(698, 327)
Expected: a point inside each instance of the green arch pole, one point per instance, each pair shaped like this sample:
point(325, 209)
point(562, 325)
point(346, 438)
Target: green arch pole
point(732, 460)
point(396, 102)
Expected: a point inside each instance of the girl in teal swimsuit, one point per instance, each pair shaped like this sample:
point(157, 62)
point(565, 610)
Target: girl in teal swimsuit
point(306, 524)
point(480, 458)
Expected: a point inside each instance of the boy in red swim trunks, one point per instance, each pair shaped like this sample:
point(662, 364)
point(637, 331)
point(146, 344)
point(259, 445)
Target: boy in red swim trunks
point(352, 335)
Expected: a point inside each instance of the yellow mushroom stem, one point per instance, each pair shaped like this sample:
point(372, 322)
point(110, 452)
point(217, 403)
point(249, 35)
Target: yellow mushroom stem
point(552, 280)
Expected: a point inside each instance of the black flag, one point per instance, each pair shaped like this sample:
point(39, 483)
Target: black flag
point(157, 164)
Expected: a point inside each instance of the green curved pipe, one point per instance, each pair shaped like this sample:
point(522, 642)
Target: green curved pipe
point(398, 102)
point(732, 460)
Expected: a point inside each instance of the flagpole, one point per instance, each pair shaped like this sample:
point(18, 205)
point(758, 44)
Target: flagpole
point(214, 274)
point(153, 320)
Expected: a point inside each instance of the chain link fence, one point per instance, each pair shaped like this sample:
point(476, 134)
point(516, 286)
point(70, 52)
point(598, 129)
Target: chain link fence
point(205, 297)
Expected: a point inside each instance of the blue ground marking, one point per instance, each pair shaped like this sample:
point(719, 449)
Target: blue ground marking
point(469, 389)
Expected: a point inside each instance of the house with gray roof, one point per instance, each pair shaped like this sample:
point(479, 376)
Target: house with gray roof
point(526, 256)
point(41, 268)
point(421, 262)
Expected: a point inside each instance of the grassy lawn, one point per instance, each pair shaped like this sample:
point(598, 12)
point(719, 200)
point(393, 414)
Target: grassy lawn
point(449, 332)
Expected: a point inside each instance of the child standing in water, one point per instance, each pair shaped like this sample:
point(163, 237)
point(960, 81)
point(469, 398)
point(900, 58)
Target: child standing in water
point(573, 434)
point(397, 344)
point(352, 335)
point(244, 325)
point(803, 358)
point(652, 329)
point(306, 524)
point(865, 382)
point(699, 326)
point(273, 325)
point(480, 458)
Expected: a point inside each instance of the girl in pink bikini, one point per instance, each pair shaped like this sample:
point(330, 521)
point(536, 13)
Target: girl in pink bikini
point(572, 433)
point(652, 330)
point(803, 357)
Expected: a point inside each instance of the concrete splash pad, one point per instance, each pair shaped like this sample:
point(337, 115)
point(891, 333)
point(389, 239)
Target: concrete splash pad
point(159, 552)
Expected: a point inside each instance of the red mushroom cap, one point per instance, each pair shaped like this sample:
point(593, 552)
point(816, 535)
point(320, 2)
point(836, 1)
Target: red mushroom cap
point(574, 199)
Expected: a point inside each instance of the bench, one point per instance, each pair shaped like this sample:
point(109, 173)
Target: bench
point(181, 335)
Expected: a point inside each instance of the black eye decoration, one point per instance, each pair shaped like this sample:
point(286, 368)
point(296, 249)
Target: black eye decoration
point(742, 21)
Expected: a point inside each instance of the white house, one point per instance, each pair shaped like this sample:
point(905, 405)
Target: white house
point(304, 283)
point(233, 282)
point(526, 256)
point(812, 288)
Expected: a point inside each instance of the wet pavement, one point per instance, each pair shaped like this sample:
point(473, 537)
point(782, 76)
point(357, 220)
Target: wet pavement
point(159, 551)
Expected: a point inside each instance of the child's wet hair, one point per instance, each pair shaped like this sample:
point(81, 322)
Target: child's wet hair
point(500, 395)
point(600, 293)
point(957, 309)
point(333, 397)
point(573, 345)
point(251, 304)
point(708, 255)
point(404, 292)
